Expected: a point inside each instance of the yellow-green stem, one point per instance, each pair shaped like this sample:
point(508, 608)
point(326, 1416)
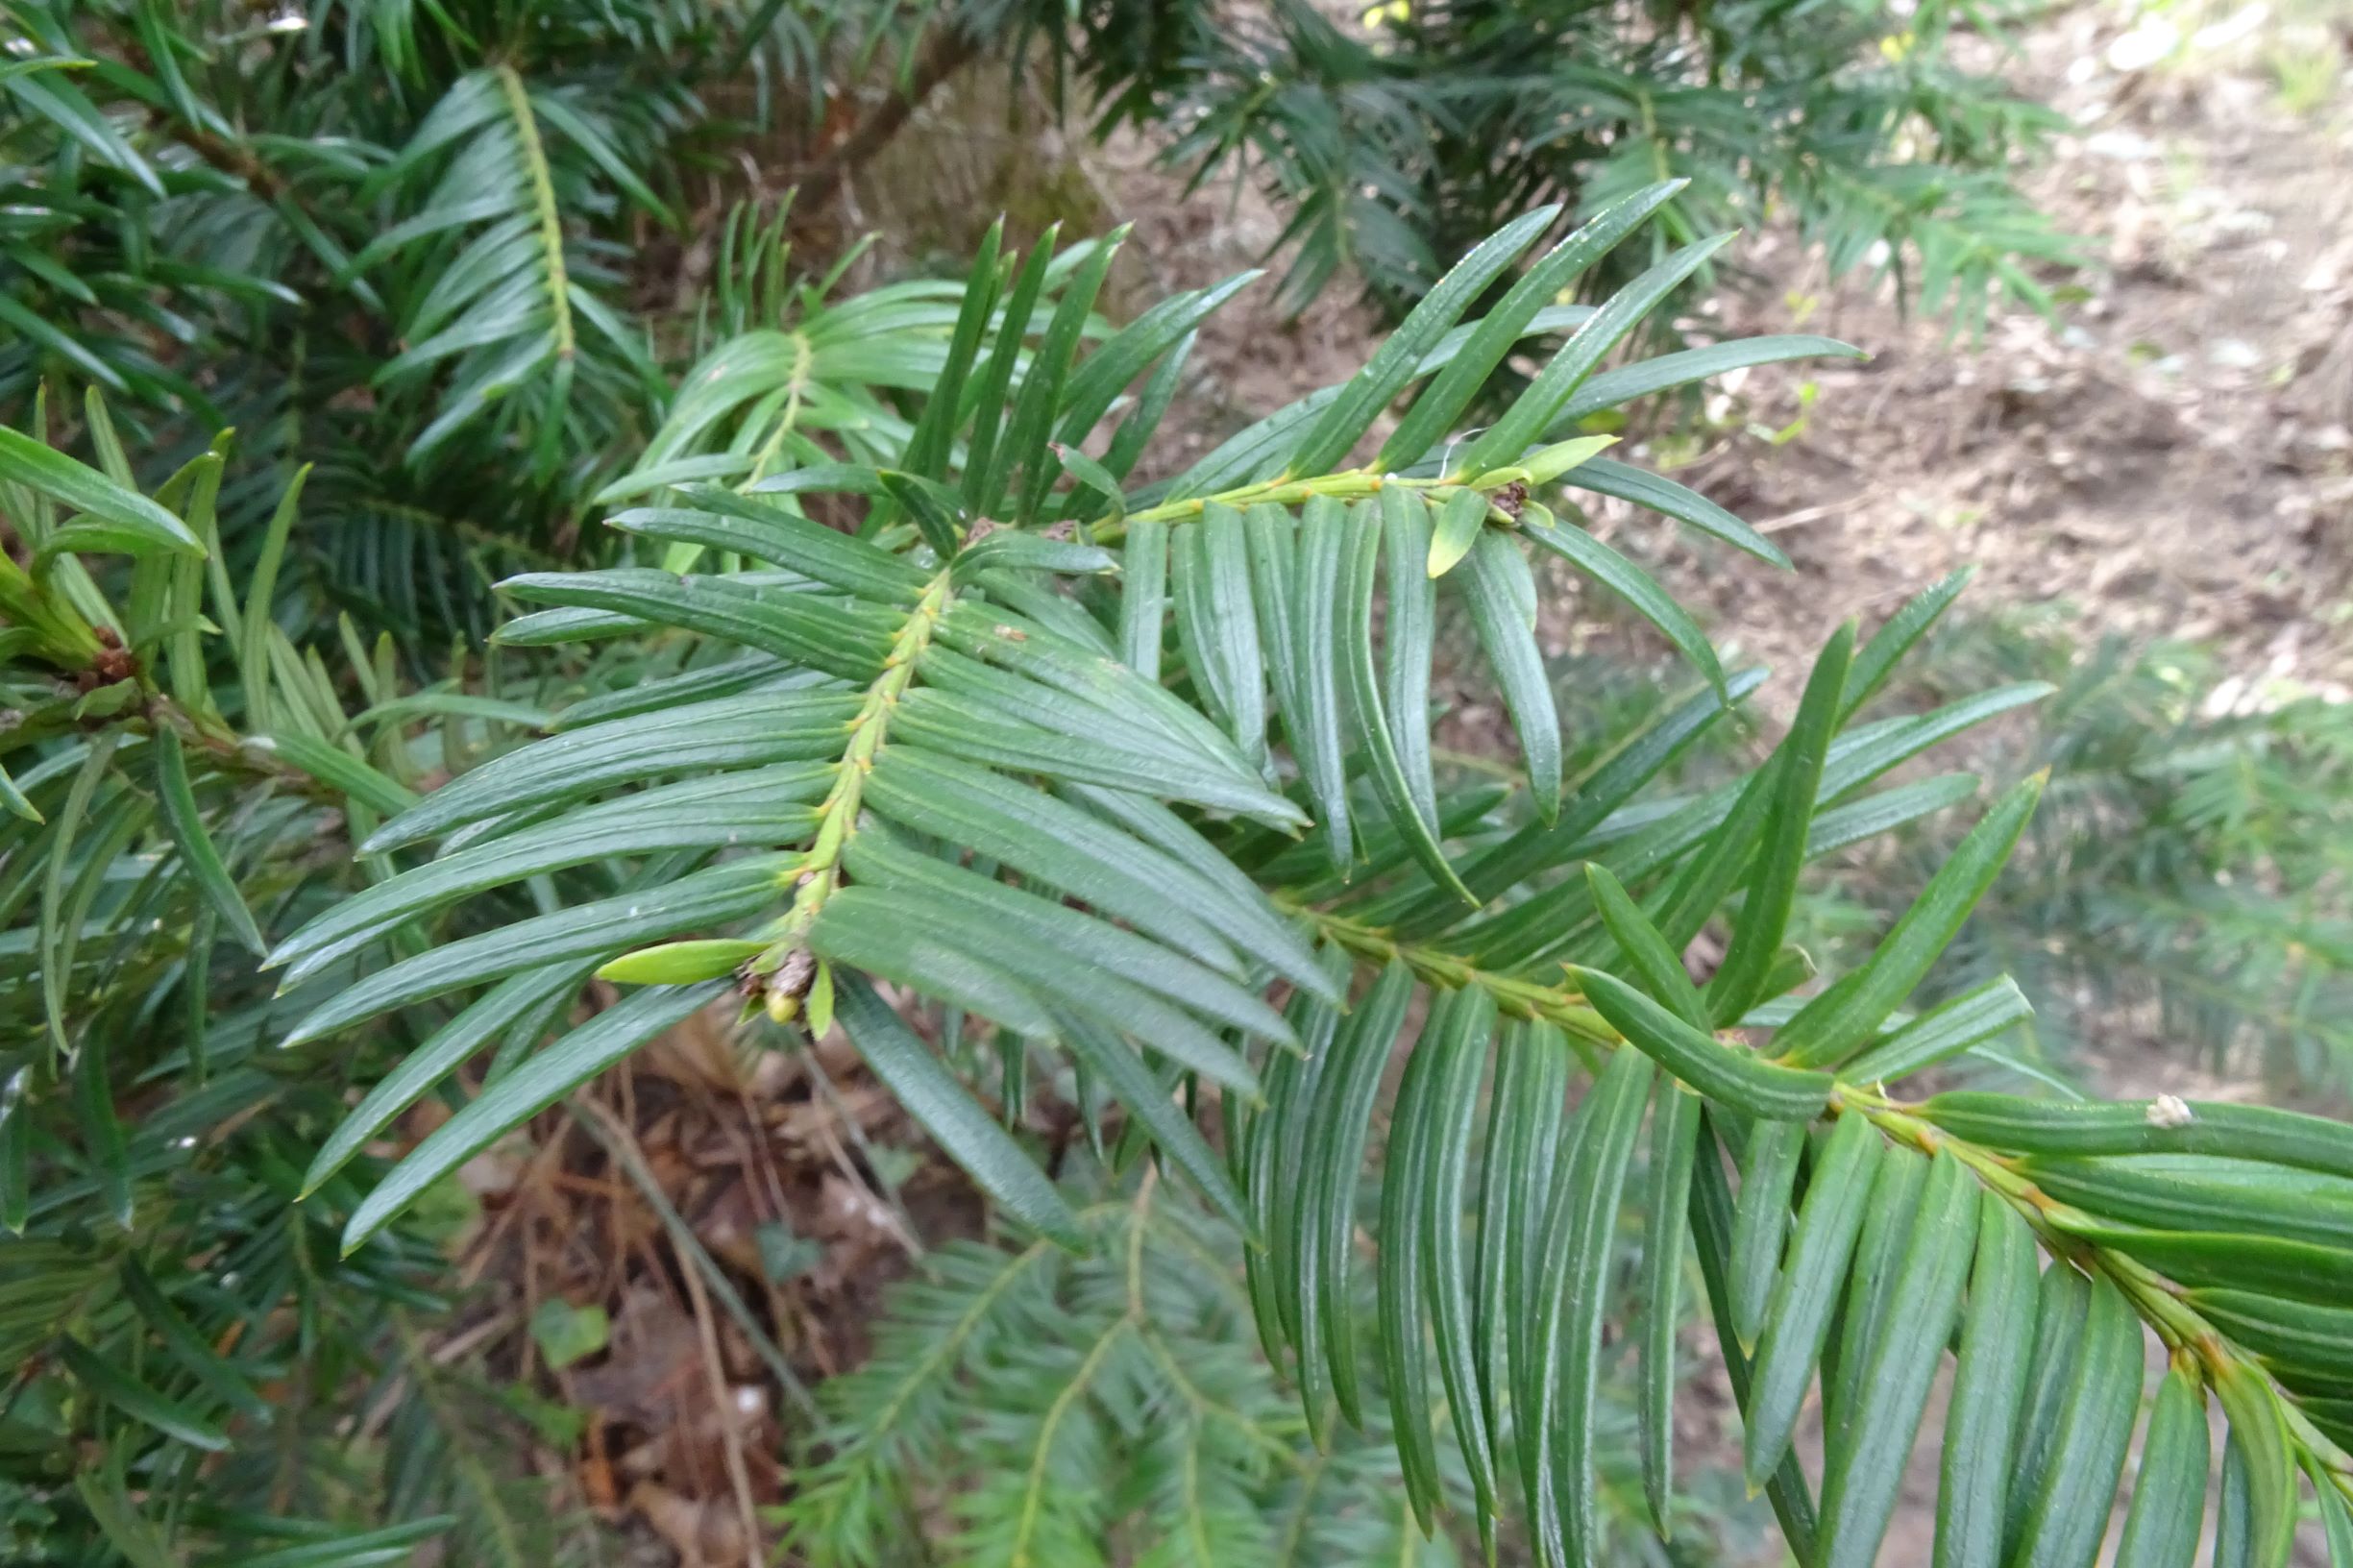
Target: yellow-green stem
point(1351, 484)
point(543, 199)
point(1516, 999)
point(2185, 1331)
point(819, 871)
point(804, 358)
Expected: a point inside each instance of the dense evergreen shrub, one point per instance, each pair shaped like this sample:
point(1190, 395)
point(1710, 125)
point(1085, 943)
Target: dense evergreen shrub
point(968, 737)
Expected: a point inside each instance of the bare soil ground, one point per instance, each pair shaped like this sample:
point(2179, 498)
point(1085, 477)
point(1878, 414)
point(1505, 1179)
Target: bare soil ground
point(2171, 457)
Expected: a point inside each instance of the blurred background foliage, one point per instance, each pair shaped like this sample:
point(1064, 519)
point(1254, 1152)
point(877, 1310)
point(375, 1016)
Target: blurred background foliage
point(459, 276)
point(2183, 895)
point(454, 256)
point(1397, 147)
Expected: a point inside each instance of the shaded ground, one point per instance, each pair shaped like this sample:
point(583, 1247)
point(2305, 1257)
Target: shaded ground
point(735, 1213)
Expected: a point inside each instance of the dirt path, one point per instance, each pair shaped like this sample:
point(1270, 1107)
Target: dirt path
point(2171, 459)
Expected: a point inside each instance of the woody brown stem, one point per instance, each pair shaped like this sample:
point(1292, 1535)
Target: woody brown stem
point(949, 52)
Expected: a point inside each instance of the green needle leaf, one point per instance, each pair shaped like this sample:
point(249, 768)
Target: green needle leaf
point(532, 993)
point(1606, 476)
point(1658, 966)
point(1769, 1162)
point(1574, 1298)
point(2087, 1457)
point(1146, 1099)
point(139, 1402)
point(1772, 889)
point(1405, 1175)
point(532, 1087)
point(223, 1381)
point(1804, 1296)
point(1512, 1114)
point(1339, 1125)
point(1312, 720)
point(1675, 1130)
point(1630, 583)
point(1217, 625)
point(1436, 409)
point(1143, 600)
point(1989, 1387)
point(1732, 1074)
point(1460, 522)
point(1507, 635)
point(966, 1133)
point(1372, 726)
point(1871, 1440)
point(1829, 1028)
point(1409, 641)
point(1462, 1038)
point(2062, 1302)
point(2168, 1492)
point(2203, 1127)
point(135, 521)
point(1976, 1016)
point(2336, 1521)
point(1528, 418)
point(1398, 359)
point(188, 830)
point(101, 1129)
point(2259, 1431)
point(1711, 1233)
